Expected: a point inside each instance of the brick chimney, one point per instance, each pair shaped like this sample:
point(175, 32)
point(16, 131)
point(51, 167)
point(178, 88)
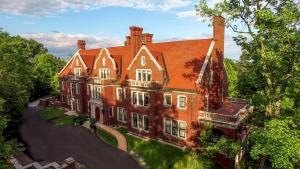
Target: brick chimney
point(218, 89)
point(128, 40)
point(135, 39)
point(147, 37)
point(219, 37)
point(81, 44)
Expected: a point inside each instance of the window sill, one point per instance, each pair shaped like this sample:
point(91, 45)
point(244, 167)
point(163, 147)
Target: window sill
point(181, 138)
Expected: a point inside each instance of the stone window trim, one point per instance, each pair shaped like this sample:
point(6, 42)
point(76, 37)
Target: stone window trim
point(139, 96)
point(180, 102)
point(143, 75)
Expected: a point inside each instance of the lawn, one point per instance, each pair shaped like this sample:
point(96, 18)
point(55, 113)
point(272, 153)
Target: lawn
point(67, 120)
point(58, 117)
point(162, 156)
point(51, 113)
point(107, 137)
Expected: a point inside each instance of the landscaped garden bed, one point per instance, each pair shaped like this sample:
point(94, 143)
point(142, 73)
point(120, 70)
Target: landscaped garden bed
point(107, 137)
point(163, 156)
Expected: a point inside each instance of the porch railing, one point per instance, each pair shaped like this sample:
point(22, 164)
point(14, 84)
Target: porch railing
point(223, 120)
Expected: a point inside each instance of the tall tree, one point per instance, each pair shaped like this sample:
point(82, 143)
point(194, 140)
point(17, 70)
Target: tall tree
point(271, 53)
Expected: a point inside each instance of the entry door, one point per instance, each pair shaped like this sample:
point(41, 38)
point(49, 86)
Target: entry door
point(97, 113)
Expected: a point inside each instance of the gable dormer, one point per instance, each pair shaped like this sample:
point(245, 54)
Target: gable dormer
point(75, 67)
point(105, 66)
point(145, 69)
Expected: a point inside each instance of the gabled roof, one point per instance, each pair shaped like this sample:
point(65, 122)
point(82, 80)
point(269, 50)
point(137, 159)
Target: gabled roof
point(182, 60)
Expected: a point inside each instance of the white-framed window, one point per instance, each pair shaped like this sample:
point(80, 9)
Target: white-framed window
point(95, 92)
point(119, 94)
point(122, 114)
point(175, 128)
point(167, 100)
point(63, 85)
point(111, 111)
point(77, 88)
point(104, 73)
point(77, 72)
point(140, 98)
point(73, 89)
point(77, 105)
point(181, 102)
point(143, 60)
point(143, 75)
point(140, 122)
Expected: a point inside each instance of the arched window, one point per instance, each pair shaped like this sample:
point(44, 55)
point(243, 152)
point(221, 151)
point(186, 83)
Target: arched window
point(143, 61)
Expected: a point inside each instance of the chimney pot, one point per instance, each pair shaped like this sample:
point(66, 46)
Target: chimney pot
point(81, 44)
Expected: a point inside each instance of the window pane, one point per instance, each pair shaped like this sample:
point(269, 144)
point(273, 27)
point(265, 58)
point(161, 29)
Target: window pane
point(140, 98)
point(148, 75)
point(139, 75)
point(168, 126)
point(120, 114)
point(134, 119)
point(140, 122)
point(182, 128)
point(146, 99)
point(144, 75)
point(134, 98)
point(124, 115)
point(168, 100)
point(174, 128)
point(146, 123)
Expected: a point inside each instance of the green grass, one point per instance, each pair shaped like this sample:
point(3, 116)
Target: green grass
point(67, 120)
point(162, 156)
point(51, 113)
point(107, 137)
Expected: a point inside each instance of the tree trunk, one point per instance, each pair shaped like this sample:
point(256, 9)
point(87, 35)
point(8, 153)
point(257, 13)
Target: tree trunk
point(262, 163)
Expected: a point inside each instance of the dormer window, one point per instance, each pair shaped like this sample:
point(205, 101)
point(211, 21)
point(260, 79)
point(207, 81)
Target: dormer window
point(143, 75)
point(143, 61)
point(77, 72)
point(104, 73)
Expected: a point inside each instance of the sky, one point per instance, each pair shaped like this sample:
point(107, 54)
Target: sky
point(58, 24)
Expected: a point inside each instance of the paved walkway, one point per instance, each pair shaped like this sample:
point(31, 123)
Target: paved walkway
point(47, 142)
point(122, 143)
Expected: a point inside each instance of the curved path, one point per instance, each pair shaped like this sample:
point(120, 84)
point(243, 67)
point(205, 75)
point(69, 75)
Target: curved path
point(47, 142)
point(122, 143)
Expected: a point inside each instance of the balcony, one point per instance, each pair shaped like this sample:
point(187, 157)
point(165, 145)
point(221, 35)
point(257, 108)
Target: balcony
point(225, 119)
point(144, 84)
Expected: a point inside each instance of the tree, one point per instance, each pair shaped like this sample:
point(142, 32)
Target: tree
point(45, 71)
point(279, 142)
point(272, 54)
point(231, 67)
point(7, 147)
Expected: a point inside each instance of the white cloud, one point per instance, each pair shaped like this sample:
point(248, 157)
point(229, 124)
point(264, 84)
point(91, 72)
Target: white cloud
point(62, 44)
point(185, 14)
point(48, 7)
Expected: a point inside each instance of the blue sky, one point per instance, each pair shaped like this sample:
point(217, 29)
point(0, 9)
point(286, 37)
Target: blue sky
point(103, 23)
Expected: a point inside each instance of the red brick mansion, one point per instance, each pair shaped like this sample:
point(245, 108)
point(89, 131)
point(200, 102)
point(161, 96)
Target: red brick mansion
point(164, 90)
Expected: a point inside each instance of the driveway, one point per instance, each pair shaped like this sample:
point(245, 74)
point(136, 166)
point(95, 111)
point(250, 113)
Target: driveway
point(47, 142)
